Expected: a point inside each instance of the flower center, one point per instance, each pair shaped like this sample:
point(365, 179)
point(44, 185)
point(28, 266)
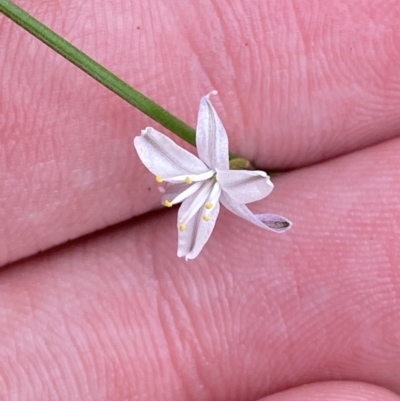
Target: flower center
point(194, 186)
point(208, 192)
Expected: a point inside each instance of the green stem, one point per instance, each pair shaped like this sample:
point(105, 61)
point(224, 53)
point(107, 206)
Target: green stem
point(97, 71)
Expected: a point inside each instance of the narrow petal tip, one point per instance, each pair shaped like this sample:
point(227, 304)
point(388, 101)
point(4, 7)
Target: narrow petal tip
point(213, 92)
point(144, 131)
point(275, 222)
point(182, 255)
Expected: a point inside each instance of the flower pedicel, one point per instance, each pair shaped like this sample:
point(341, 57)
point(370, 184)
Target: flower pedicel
point(202, 183)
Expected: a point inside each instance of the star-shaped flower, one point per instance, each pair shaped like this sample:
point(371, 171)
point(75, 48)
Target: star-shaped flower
point(202, 183)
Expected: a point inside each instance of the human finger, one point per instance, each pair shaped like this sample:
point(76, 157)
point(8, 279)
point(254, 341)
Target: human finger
point(118, 315)
point(293, 91)
point(335, 391)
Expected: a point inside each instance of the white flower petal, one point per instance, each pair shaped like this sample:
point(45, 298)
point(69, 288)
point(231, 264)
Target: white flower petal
point(197, 232)
point(211, 138)
point(164, 158)
point(245, 186)
point(267, 221)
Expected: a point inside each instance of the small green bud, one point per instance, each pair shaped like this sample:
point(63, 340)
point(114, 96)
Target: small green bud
point(238, 163)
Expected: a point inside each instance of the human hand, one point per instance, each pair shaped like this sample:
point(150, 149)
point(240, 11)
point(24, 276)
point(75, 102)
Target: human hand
point(117, 315)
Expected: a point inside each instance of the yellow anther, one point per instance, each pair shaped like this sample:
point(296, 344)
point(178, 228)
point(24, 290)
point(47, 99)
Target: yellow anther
point(206, 218)
point(188, 180)
point(159, 179)
point(209, 206)
point(182, 227)
point(168, 203)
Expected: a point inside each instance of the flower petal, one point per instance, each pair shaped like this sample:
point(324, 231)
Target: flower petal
point(164, 158)
point(245, 186)
point(211, 137)
point(197, 232)
point(270, 222)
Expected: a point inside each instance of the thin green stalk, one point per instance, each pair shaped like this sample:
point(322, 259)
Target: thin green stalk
point(97, 71)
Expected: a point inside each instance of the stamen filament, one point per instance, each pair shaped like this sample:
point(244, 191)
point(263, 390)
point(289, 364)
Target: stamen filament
point(186, 193)
point(191, 178)
point(213, 198)
point(198, 202)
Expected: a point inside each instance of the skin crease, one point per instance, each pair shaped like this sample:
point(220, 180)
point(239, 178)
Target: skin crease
point(117, 315)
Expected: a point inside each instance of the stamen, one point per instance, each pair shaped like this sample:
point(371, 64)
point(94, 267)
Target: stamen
point(159, 179)
point(186, 193)
point(198, 202)
point(213, 197)
point(168, 203)
point(182, 227)
point(192, 178)
point(206, 217)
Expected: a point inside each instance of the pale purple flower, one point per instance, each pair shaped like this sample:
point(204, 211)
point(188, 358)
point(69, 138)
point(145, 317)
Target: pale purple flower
point(202, 183)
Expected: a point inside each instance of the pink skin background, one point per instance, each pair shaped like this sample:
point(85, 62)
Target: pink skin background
point(313, 314)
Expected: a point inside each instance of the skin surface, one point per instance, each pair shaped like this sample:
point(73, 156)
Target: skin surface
point(116, 315)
